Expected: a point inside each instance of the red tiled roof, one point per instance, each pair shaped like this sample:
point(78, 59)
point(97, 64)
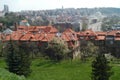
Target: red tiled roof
point(89, 33)
point(81, 34)
point(46, 37)
point(113, 32)
point(100, 38)
point(50, 29)
point(117, 38)
point(26, 37)
point(65, 37)
point(69, 35)
point(16, 37)
point(7, 38)
point(21, 27)
point(101, 33)
point(47, 29)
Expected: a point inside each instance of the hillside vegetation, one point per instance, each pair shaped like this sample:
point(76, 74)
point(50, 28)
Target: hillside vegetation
point(64, 70)
point(5, 75)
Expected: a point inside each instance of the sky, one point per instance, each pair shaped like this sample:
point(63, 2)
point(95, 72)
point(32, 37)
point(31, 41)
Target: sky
point(18, 5)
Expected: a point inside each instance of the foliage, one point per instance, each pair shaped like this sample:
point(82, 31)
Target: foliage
point(1, 48)
point(43, 21)
point(65, 70)
point(84, 26)
point(17, 59)
point(10, 19)
point(25, 60)
point(87, 49)
point(12, 57)
point(110, 22)
point(5, 75)
point(100, 68)
point(57, 49)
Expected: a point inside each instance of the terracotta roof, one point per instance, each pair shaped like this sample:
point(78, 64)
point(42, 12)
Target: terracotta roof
point(69, 35)
point(50, 29)
point(87, 35)
point(113, 32)
point(16, 36)
point(101, 33)
point(7, 37)
point(117, 38)
point(46, 37)
point(22, 27)
point(47, 33)
point(89, 32)
point(65, 37)
point(100, 38)
point(26, 37)
point(81, 34)
point(47, 29)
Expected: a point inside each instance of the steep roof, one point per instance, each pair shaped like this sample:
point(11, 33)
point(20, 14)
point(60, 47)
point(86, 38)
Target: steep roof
point(69, 35)
point(50, 29)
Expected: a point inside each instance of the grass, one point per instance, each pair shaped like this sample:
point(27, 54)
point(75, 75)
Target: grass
point(5, 75)
point(65, 70)
point(2, 63)
point(116, 70)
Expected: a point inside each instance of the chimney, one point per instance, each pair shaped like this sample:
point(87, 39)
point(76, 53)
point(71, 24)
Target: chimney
point(15, 26)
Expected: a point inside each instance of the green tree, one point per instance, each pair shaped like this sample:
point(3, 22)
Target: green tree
point(12, 57)
point(11, 18)
point(17, 59)
point(57, 49)
point(87, 49)
point(84, 26)
point(100, 68)
point(25, 60)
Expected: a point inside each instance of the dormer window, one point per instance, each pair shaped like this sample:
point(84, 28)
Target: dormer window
point(87, 33)
point(118, 33)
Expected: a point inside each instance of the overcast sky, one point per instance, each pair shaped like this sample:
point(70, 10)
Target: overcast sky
point(18, 5)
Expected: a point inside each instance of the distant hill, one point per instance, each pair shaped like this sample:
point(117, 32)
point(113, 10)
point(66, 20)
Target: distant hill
point(73, 11)
point(104, 11)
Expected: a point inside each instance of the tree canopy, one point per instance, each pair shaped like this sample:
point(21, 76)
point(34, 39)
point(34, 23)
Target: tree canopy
point(100, 68)
point(57, 49)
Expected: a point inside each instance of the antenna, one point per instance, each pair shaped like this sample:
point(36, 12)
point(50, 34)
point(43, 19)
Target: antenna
point(62, 8)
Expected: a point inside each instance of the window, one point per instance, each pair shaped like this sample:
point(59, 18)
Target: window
point(109, 37)
point(81, 37)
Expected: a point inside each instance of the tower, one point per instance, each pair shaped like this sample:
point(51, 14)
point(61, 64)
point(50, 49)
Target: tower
point(6, 9)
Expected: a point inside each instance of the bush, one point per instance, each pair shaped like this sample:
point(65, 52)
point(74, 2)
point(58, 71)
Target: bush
point(17, 58)
point(57, 49)
point(100, 68)
point(5, 75)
